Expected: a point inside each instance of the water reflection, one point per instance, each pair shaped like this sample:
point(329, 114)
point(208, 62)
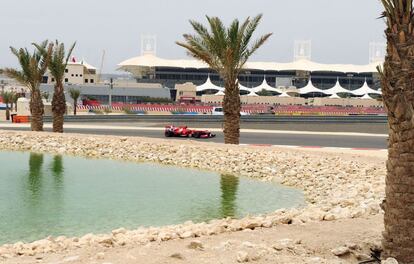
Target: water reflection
point(224, 205)
point(35, 173)
point(57, 170)
point(43, 195)
point(229, 185)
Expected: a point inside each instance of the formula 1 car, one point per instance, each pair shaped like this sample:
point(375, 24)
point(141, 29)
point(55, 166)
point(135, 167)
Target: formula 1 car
point(184, 131)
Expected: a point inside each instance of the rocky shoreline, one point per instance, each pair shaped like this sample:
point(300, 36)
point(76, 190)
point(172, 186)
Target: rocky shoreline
point(335, 187)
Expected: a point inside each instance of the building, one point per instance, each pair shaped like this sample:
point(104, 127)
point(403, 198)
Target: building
point(282, 83)
point(84, 77)
point(186, 92)
point(150, 68)
point(76, 73)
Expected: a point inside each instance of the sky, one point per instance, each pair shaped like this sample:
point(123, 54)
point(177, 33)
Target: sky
point(340, 30)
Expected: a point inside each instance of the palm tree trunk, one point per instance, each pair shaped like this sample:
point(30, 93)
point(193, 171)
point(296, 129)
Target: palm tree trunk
point(399, 210)
point(7, 112)
point(36, 110)
point(58, 108)
point(398, 97)
point(74, 107)
point(231, 108)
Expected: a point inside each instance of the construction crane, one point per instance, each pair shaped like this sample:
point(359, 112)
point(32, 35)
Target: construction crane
point(102, 65)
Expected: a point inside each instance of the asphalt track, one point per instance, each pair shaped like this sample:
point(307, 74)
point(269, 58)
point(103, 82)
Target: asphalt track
point(367, 141)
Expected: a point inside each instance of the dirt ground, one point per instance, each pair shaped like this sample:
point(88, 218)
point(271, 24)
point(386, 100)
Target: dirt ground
point(310, 243)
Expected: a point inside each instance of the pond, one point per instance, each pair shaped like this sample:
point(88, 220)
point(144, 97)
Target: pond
point(42, 195)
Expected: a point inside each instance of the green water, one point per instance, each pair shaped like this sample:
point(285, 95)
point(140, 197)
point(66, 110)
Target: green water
point(42, 195)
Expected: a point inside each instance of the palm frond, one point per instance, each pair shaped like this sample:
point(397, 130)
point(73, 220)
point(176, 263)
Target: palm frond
point(226, 50)
point(58, 61)
point(33, 65)
point(74, 94)
point(7, 96)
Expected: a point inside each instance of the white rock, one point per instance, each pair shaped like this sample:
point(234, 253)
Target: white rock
point(119, 231)
point(340, 251)
point(71, 258)
point(187, 234)
point(100, 255)
point(390, 261)
point(248, 244)
point(242, 256)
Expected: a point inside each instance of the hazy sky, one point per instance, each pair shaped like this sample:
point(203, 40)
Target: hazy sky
point(340, 30)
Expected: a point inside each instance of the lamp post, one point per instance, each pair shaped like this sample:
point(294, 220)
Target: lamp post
point(111, 86)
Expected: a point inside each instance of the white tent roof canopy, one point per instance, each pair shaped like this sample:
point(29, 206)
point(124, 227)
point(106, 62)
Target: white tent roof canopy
point(334, 96)
point(366, 96)
point(150, 60)
point(365, 89)
point(244, 88)
point(309, 88)
point(337, 89)
point(252, 94)
point(208, 85)
point(284, 94)
point(265, 86)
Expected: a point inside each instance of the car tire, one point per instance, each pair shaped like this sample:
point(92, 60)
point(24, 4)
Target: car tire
point(168, 134)
point(196, 135)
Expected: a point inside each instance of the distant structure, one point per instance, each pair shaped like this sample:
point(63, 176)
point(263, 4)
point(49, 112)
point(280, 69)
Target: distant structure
point(377, 51)
point(302, 50)
point(148, 44)
point(299, 73)
point(76, 72)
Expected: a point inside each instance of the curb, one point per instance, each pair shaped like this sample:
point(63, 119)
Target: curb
point(313, 147)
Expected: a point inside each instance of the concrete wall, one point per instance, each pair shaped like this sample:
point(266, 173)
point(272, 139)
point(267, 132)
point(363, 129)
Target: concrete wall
point(23, 107)
point(274, 100)
point(356, 102)
point(104, 90)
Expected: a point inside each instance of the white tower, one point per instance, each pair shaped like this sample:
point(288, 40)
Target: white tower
point(303, 50)
point(377, 51)
point(148, 44)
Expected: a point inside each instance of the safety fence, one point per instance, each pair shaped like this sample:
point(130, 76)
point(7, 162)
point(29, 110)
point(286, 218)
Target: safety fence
point(291, 110)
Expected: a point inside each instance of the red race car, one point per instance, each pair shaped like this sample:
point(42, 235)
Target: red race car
point(184, 131)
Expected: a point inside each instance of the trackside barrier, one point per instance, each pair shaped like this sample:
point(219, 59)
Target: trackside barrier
point(271, 119)
point(21, 119)
point(250, 109)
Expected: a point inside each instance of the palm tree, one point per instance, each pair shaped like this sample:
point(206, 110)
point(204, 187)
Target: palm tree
point(74, 94)
point(398, 96)
point(226, 50)
point(33, 68)
point(7, 99)
point(57, 67)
